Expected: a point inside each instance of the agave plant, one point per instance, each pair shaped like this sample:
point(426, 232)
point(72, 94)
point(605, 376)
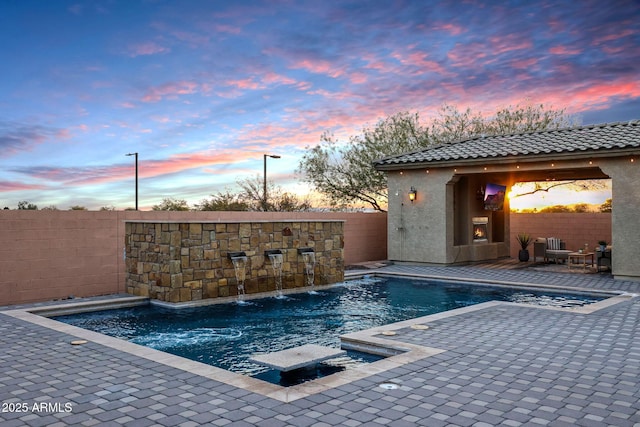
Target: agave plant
point(524, 240)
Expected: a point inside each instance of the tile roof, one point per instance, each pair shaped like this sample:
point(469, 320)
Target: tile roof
point(603, 138)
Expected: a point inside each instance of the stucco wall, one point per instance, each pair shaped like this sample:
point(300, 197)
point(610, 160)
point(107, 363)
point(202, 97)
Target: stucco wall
point(48, 255)
point(418, 230)
point(625, 221)
point(424, 230)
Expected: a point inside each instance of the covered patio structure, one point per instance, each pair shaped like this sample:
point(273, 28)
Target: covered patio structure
point(448, 204)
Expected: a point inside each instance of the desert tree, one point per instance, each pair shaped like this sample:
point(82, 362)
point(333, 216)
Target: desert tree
point(171, 204)
point(343, 173)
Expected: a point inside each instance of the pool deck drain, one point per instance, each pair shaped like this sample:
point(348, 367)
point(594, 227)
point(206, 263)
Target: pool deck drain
point(297, 357)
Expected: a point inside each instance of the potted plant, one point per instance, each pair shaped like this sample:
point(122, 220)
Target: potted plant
point(524, 240)
point(603, 245)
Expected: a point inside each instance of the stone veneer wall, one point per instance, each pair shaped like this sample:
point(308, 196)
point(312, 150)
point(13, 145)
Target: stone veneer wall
point(186, 261)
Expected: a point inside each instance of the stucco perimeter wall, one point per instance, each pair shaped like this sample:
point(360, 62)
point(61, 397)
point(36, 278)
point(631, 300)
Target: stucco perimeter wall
point(575, 229)
point(47, 255)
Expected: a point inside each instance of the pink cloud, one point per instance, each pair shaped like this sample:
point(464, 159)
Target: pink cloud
point(6, 186)
point(318, 66)
point(273, 78)
point(248, 83)
point(334, 96)
point(504, 44)
point(63, 134)
point(419, 60)
point(170, 90)
point(564, 50)
point(181, 162)
point(452, 29)
point(614, 50)
point(384, 67)
point(524, 64)
point(270, 78)
point(148, 168)
point(605, 93)
point(148, 48)
point(467, 55)
point(358, 78)
point(611, 37)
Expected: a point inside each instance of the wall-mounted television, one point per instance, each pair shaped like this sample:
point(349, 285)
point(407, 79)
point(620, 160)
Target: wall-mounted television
point(494, 197)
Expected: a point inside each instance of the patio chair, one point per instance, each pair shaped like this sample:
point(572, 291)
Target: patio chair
point(554, 249)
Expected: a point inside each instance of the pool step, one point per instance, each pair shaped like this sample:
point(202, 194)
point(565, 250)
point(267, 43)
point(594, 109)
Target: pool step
point(297, 357)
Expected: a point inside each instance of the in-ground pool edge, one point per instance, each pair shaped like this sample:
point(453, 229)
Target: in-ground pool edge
point(283, 394)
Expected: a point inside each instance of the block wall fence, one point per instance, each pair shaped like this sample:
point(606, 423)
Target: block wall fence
point(575, 229)
point(46, 255)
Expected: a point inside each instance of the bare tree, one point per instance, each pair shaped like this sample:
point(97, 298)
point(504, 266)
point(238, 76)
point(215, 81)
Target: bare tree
point(226, 201)
point(278, 200)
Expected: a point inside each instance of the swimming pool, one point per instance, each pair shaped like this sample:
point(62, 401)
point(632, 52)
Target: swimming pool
point(226, 335)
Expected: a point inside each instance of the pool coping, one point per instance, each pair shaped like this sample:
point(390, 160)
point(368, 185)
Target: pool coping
point(399, 353)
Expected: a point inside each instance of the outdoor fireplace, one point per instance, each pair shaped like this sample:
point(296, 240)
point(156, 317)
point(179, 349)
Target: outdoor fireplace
point(480, 229)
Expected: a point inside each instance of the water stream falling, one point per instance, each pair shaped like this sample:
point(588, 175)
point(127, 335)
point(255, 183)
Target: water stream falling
point(240, 265)
point(309, 259)
point(276, 263)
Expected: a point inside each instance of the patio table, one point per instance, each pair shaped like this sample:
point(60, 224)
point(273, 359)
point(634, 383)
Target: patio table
point(580, 258)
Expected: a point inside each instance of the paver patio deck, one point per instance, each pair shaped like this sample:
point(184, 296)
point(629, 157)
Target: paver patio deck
point(501, 365)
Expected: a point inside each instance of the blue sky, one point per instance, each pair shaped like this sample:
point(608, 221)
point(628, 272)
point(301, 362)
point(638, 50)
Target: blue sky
point(202, 89)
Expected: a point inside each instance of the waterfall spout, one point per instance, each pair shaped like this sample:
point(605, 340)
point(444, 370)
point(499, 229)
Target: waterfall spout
point(239, 260)
point(309, 259)
point(275, 256)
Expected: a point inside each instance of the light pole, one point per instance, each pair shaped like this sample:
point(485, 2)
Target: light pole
point(264, 191)
point(135, 154)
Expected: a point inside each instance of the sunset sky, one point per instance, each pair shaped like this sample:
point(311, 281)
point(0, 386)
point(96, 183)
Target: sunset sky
point(202, 89)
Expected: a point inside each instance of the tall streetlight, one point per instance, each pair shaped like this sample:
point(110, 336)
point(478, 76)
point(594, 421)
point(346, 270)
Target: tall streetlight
point(264, 192)
point(135, 154)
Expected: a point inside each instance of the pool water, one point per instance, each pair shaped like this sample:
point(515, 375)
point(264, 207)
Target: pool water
point(226, 335)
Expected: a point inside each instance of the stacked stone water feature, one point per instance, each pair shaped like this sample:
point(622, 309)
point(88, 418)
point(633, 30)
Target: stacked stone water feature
point(188, 261)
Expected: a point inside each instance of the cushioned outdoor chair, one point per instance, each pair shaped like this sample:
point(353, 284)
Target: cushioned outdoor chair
point(554, 249)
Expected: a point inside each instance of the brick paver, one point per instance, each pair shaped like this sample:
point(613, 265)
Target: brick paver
point(503, 365)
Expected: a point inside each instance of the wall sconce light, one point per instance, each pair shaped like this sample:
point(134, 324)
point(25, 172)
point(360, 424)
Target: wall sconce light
point(412, 194)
